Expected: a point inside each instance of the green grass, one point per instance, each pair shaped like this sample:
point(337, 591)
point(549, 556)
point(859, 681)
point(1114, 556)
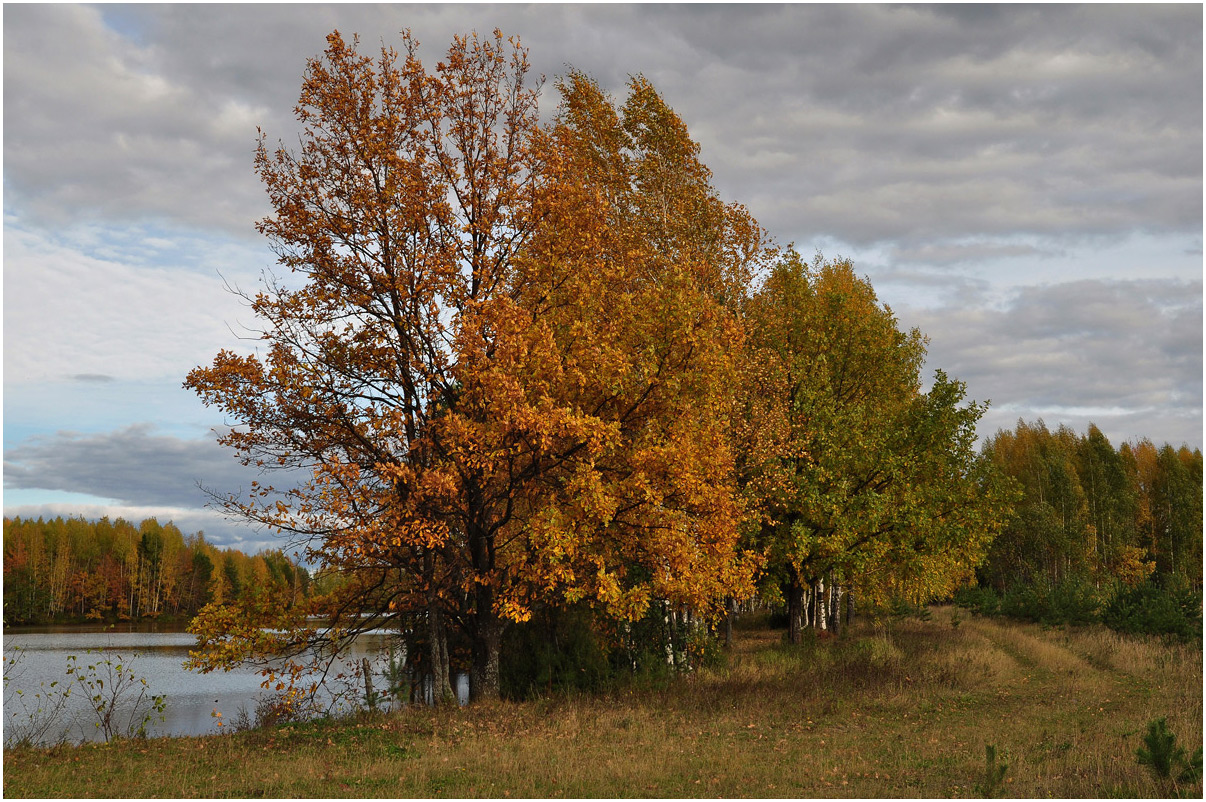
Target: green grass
point(905, 712)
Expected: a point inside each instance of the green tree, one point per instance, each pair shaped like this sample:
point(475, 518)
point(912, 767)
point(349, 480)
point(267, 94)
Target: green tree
point(862, 479)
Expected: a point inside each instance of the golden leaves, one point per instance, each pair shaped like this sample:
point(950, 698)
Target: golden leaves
point(507, 358)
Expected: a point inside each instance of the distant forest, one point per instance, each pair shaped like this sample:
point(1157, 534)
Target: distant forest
point(78, 570)
point(1098, 534)
point(1089, 510)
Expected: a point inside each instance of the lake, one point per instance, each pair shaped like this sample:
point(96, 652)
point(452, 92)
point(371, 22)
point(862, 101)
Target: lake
point(155, 653)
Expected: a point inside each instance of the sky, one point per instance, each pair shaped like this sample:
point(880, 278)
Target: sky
point(1022, 184)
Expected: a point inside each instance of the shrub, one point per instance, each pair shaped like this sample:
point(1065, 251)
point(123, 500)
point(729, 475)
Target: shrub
point(980, 601)
point(1167, 761)
point(994, 772)
point(900, 607)
point(1072, 601)
point(556, 651)
point(1173, 609)
point(1024, 602)
point(119, 699)
point(36, 717)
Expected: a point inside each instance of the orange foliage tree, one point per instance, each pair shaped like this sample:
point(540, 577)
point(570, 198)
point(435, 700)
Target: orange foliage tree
point(502, 367)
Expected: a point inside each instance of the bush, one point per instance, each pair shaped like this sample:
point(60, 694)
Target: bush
point(980, 601)
point(1168, 762)
point(1072, 601)
point(900, 607)
point(34, 718)
point(119, 699)
point(1153, 609)
point(556, 651)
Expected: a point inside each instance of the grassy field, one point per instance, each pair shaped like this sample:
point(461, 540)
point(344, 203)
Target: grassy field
point(902, 711)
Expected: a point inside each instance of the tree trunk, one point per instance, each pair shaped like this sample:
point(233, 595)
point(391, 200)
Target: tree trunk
point(486, 634)
point(835, 608)
point(667, 634)
point(822, 617)
point(441, 687)
point(795, 609)
point(370, 698)
point(437, 639)
point(728, 622)
point(487, 640)
point(849, 605)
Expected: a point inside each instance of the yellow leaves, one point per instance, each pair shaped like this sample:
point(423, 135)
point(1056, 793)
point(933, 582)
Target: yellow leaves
point(513, 611)
point(507, 359)
point(1131, 568)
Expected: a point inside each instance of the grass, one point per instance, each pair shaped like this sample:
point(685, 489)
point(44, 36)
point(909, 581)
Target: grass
point(905, 711)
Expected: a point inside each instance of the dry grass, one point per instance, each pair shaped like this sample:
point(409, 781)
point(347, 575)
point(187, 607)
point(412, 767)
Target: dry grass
point(899, 712)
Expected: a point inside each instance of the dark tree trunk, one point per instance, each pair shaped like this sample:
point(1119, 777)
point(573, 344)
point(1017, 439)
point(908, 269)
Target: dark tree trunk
point(835, 608)
point(487, 639)
point(795, 609)
point(485, 624)
point(441, 672)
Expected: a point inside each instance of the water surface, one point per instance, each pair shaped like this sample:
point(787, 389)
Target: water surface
point(152, 652)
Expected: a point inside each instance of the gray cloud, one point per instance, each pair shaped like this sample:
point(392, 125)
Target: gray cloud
point(1133, 347)
point(864, 123)
point(954, 143)
point(100, 133)
point(132, 465)
point(964, 253)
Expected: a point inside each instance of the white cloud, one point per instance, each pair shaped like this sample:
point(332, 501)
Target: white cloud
point(68, 312)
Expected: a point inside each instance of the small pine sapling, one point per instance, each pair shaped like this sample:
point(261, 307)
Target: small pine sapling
point(994, 772)
point(1167, 761)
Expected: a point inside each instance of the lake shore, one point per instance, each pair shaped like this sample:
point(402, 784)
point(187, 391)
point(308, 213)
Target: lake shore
point(899, 711)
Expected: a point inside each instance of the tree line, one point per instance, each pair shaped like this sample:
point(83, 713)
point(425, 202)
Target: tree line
point(1098, 532)
point(538, 373)
point(550, 407)
point(72, 569)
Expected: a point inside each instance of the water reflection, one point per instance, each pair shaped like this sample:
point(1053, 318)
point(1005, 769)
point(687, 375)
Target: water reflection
point(156, 653)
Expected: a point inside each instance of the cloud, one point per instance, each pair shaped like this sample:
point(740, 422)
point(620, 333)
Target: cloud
point(69, 313)
point(890, 123)
point(864, 123)
point(133, 466)
point(101, 133)
point(965, 252)
point(1123, 353)
point(957, 153)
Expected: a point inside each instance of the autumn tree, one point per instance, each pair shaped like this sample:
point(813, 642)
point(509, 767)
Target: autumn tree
point(862, 479)
point(1098, 532)
point(73, 569)
point(501, 362)
point(1048, 539)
